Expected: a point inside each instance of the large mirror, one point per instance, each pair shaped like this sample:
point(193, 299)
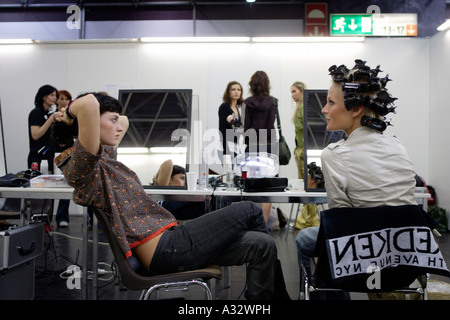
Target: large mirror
point(316, 137)
point(156, 119)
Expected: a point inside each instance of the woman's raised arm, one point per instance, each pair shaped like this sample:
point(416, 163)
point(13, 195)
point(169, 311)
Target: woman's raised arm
point(87, 111)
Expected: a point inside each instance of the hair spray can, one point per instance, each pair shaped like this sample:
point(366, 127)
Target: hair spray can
point(203, 170)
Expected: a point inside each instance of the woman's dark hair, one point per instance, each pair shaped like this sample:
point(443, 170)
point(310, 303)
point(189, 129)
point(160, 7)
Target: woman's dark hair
point(259, 84)
point(176, 169)
point(63, 134)
point(107, 103)
point(316, 174)
point(43, 91)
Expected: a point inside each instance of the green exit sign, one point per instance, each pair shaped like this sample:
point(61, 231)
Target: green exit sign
point(381, 25)
point(351, 24)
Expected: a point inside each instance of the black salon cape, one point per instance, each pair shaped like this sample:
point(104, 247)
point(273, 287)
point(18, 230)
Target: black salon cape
point(362, 229)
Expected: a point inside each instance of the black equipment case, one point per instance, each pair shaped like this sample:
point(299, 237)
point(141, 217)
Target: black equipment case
point(264, 184)
point(19, 246)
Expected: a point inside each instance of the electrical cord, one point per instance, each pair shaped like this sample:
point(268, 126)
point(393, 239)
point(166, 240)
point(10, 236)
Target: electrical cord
point(100, 271)
point(77, 238)
point(65, 273)
point(245, 285)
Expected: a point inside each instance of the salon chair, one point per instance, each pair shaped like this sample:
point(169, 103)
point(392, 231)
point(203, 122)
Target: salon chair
point(352, 238)
point(129, 270)
point(10, 210)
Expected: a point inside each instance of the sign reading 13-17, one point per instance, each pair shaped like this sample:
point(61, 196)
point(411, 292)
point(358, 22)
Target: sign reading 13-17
point(385, 25)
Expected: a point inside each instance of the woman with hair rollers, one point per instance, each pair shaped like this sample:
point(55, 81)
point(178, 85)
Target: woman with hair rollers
point(369, 168)
point(234, 235)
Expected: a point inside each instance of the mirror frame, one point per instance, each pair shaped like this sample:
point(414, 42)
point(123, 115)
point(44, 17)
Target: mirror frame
point(310, 107)
point(122, 97)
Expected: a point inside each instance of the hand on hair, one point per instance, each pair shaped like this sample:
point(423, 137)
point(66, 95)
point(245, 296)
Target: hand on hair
point(61, 116)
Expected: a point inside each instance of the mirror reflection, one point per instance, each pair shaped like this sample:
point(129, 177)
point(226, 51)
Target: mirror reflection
point(154, 115)
point(316, 137)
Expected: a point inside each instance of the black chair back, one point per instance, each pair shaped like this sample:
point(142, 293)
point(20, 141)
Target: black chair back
point(396, 240)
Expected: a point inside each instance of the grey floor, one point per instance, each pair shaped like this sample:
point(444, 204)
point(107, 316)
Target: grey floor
point(63, 249)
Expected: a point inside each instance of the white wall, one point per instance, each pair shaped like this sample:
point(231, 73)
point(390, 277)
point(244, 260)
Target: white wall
point(207, 68)
point(58, 30)
point(439, 144)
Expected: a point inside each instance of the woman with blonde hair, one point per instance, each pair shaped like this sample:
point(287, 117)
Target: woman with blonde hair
point(369, 168)
point(309, 216)
point(297, 89)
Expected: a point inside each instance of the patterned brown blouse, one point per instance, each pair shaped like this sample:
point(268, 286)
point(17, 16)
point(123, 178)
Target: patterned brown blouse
point(105, 183)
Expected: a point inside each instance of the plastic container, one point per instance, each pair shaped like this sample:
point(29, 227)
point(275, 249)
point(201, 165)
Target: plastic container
point(203, 171)
point(228, 171)
point(49, 181)
point(262, 165)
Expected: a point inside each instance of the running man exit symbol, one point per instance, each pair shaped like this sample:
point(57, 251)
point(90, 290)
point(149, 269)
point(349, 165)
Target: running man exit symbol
point(339, 24)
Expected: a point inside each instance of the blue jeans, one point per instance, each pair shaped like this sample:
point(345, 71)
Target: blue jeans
point(63, 211)
point(306, 244)
point(234, 235)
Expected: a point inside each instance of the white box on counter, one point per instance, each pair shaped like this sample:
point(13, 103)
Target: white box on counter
point(49, 181)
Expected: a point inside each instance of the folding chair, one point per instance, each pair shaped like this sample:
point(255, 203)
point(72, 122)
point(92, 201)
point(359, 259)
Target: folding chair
point(16, 208)
point(371, 250)
point(133, 280)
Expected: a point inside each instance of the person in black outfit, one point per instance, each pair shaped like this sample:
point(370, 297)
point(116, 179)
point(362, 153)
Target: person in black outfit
point(260, 112)
point(62, 214)
point(231, 114)
point(39, 122)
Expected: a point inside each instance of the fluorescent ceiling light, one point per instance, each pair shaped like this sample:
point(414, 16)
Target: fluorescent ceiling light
point(307, 39)
point(15, 41)
point(250, 1)
point(248, 39)
point(168, 150)
point(444, 26)
point(81, 41)
point(194, 39)
point(132, 150)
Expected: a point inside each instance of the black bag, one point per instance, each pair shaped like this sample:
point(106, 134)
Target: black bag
point(12, 180)
point(284, 153)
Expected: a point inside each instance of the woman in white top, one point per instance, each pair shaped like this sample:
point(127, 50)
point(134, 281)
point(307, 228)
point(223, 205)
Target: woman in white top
point(369, 168)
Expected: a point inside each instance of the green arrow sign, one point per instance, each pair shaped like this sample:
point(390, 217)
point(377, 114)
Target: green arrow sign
point(351, 24)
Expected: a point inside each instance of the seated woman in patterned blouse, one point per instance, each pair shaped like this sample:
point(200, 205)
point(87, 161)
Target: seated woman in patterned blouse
point(234, 235)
